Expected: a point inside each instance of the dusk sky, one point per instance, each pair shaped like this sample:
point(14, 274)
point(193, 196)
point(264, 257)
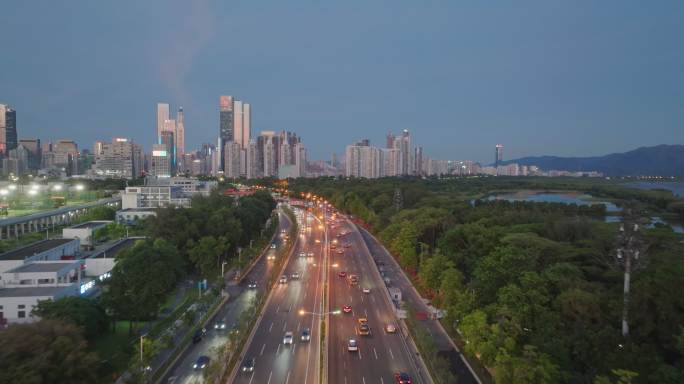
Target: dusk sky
point(541, 77)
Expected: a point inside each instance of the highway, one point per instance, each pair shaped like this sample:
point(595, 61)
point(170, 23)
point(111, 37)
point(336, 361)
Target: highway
point(299, 362)
point(241, 296)
point(380, 354)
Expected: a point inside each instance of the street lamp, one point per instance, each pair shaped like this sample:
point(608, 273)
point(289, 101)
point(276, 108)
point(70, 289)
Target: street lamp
point(222, 266)
point(79, 187)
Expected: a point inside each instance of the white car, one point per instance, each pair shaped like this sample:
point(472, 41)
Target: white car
point(352, 346)
point(283, 279)
point(295, 276)
point(310, 254)
point(287, 339)
point(302, 254)
point(365, 290)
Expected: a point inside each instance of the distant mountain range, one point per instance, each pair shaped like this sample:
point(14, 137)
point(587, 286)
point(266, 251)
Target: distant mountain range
point(661, 160)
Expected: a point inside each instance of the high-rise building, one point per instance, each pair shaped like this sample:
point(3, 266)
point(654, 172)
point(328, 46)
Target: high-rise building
point(34, 152)
point(180, 136)
point(300, 159)
point(162, 117)
point(160, 161)
point(238, 119)
point(498, 155)
point(121, 158)
point(233, 159)
point(246, 124)
point(226, 125)
point(167, 138)
point(364, 160)
point(8, 129)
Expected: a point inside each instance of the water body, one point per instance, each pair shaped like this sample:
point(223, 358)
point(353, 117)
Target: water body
point(549, 197)
point(677, 187)
point(579, 199)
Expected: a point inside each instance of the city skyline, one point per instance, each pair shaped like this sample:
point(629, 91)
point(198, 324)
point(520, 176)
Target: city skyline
point(512, 84)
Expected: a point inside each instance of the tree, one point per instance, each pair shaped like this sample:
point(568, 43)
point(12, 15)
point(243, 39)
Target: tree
point(78, 310)
point(207, 254)
point(405, 245)
point(530, 368)
point(431, 270)
point(141, 278)
point(47, 351)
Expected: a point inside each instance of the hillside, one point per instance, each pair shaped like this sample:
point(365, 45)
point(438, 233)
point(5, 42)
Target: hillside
point(661, 160)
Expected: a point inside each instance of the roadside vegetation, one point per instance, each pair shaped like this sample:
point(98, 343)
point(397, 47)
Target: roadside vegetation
point(532, 291)
point(147, 291)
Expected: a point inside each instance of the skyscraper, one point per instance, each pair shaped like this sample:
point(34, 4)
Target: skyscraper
point(34, 150)
point(167, 138)
point(498, 155)
point(237, 122)
point(226, 125)
point(121, 158)
point(160, 165)
point(162, 117)
point(246, 124)
point(8, 129)
point(180, 135)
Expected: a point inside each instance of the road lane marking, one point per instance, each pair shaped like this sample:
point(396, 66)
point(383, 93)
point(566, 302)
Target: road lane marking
point(262, 349)
point(362, 299)
point(294, 346)
point(251, 377)
point(364, 379)
point(365, 313)
point(284, 325)
point(298, 324)
point(376, 353)
point(373, 299)
point(359, 353)
point(290, 310)
point(271, 327)
point(278, 349)
point(391, 354)
point(381, 380)
point(278, 308)
point(288, 377)
point(269, 377)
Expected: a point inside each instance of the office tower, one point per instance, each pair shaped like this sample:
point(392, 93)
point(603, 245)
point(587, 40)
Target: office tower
point(392, 162)
point(253, 167)
point(160, 161)
point(162, 117)
point(65, 155)
point(246, 125)
point(121, 158)
point(268, 144)
point(405, 147)
point(34, 152)
point(180, 136)
point(238, 119)
point(389, 143)
point(167, 138)
point(498, 155)
point(226, 125)
point(16, 161)
point(8, 129)
point(418, 161)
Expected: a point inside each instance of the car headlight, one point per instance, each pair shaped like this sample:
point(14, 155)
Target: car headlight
point(194, 365)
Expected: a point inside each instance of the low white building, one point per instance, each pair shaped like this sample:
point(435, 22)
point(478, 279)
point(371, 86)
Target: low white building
point(132, 215)
point(22, 287)
point(159, 196)
point(52, 249)
point(84, 231)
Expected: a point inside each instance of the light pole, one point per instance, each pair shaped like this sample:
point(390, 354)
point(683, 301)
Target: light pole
point(222, 266)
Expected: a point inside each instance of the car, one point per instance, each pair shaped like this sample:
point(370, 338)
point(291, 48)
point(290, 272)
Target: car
point(363, 328)
point(302, 254)
point(365, 290)
point(295, 276)
point(310, 254)
point(287, 339)
point(201, 362)
point(342, 274)
point(352, 346)
point(347, 309)
point(347, 245)
point(271, 256)
point(283, 279)
point(306, 334)
point(248, 366)
point(318, 241)
point(220, 324)
point(390, 328)
point(402, 378)
point(252, 284)
point(333, 246)
point(273, 245)
point(198, 335)
point(340, 251)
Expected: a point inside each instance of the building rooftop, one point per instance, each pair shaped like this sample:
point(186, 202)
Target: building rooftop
point(116, 248)
point(42, 267)
point(34, 248)
point(91, 224)
point(31, 291)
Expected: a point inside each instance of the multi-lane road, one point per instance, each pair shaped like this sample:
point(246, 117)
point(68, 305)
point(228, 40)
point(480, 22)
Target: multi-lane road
point(182, 371)
point(298, 305)
point(381, 354)
point(293, 306)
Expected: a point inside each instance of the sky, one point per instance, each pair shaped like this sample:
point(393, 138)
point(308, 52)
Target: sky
point(568, 78)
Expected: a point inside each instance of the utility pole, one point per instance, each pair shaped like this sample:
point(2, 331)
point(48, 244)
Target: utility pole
point(629, 254)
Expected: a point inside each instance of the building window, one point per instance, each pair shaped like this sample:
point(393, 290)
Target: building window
point(21, 314)
point(21, 306)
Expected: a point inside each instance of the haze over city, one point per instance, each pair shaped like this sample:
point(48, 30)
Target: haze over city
point(581, 78)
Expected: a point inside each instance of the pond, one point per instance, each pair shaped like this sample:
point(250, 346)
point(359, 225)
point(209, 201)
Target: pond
point(579, 199)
